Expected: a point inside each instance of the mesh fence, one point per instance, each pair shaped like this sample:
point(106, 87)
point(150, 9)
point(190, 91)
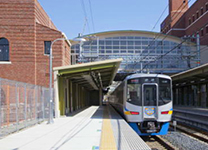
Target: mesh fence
point(21, 105)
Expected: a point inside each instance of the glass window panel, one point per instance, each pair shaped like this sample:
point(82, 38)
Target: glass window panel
point(102, 51)
point(130, 43)
point(115, 42)
point(134, 92)
point(115, 47)
point(130, 37)
point(115, 51)
point(123, 42)
point(108, 47)
point(122, 51)
point(102, 47)
point(123, 47)
point(137, 37)
point(130, 47)
point(122, 37)
point(138, 47)
point(108, 42)
point(101, 42)
point(138, 42)
point(144, 38)
point(108, 51)
point(131, 51)
point(47, 47)
point(144, 42)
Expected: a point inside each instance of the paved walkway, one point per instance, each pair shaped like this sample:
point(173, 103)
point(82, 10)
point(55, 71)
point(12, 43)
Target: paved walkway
point(79, 132)
point(95, 128)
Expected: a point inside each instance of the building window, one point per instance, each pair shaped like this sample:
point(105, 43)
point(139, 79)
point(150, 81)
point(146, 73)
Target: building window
point(206, 6)
point(206, 29)
point(4, 49)
point(202, 32)
point(189, 21)
point(197, 15)
point(193, 18)
point(202, 11)
point(47, 46)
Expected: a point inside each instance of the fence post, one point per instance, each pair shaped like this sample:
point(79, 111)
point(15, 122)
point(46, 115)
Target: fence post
point(25, 91)
point(17, 106)
point(36, 96)
point(42, 100)
point(0, 105)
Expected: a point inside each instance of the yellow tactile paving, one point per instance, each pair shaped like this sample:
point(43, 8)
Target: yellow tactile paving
point(107, 137)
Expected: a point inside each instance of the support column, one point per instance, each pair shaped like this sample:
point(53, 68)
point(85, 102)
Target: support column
point(100, 97)
point(71, 97)
point(56, 92)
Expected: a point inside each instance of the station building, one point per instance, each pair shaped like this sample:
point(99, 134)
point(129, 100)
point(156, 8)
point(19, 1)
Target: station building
point(26, 32)
point(187, 21)
point(137, 49)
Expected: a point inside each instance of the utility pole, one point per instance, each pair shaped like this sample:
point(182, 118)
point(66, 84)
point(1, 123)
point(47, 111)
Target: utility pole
point(198, 49)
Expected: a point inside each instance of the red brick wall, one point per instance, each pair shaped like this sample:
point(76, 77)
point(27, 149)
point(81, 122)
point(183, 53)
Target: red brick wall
point(42, 17)
point(60, 55)
point(26, 25)
point(198, 24)
point(183, 22)
point(176, 9)
point(17, 24)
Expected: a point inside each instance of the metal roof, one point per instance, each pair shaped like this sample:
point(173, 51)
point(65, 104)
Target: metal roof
point(130, 32)
point(93, 75)
point(192, 74)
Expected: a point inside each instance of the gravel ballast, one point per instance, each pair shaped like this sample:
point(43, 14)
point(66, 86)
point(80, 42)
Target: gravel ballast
point(184, 142)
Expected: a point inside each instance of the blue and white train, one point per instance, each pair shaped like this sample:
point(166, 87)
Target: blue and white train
point(145, 101)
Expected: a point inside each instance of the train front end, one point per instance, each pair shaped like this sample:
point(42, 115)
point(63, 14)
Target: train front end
point(148, 107)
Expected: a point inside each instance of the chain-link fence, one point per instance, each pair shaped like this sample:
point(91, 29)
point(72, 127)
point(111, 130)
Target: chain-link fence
point(21, 105)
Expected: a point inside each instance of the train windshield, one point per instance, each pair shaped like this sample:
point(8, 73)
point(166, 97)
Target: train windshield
point(164, 91)
point(134, 91)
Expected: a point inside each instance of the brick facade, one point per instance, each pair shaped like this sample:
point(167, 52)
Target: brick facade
point(189, 21)
point(26, 26)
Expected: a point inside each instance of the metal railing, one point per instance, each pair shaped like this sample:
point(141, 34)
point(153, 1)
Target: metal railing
point(21, 105)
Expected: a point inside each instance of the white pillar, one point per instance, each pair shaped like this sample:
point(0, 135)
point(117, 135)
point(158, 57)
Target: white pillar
point(56, 93)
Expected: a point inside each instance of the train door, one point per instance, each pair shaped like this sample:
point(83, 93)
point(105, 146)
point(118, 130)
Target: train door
point(150, 101)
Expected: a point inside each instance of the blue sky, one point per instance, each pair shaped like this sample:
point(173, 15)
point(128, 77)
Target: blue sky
point(69, 16)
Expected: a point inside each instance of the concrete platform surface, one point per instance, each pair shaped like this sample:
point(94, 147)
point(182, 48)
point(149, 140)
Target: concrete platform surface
point(79, 132)
point(94, 128)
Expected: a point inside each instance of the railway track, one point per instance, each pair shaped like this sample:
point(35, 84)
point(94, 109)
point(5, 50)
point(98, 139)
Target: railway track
point(158, 143)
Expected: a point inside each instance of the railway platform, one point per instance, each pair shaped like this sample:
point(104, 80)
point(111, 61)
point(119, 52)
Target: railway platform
point(193, 116)
point(94, 128)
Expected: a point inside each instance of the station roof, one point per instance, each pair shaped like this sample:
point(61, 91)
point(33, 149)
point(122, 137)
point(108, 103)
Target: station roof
point(197, 73)
point(93, 75)
point(115, 33)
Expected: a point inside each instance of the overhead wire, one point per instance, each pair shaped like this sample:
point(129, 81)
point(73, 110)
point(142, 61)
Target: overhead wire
point(159, 34)
point(85, 15)
point(91, 13)
point(166, 36)
point(205, 48)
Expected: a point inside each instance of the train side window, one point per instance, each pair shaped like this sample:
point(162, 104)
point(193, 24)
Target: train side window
point(134, 91)
point(164, 91)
